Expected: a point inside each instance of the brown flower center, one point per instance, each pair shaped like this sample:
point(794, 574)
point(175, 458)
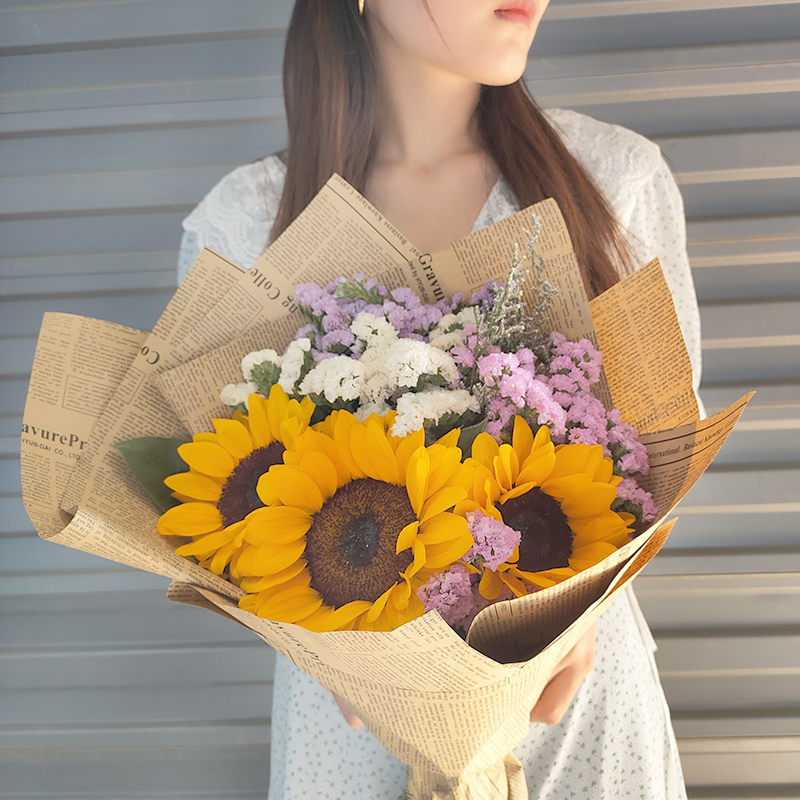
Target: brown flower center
point(546, 535)
point(239, 496)
point(350, 547)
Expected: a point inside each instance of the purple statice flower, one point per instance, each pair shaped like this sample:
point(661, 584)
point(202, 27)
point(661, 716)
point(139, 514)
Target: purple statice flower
point(587, 414)
point(314, 300)
point(629, 453)
point(451, 594)
point(540, 402)
point(449, 305)
point(494, 540)
point(493, 366)
point(485, 295)
point(463, 356)
point(500, 412)
point(580, 360)
point(630, 494)
point(338, 341)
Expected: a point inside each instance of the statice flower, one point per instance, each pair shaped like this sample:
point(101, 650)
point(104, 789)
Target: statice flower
point(375, 332)
point(494, 540)
point(587, 422)
point(237, 394)
point(631, 497)
point(339, 378)
point(575, 366)
point(415, 409)
point(451, 594)
point(625, 447)
point(296, 360)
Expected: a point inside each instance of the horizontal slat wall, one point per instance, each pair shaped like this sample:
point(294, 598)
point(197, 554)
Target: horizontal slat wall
point(117, 116)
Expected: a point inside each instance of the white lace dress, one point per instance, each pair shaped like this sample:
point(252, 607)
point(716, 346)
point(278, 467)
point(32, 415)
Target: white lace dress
point(616, 740)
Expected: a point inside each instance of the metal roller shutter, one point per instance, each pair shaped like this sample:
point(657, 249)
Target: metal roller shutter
point(116, 116)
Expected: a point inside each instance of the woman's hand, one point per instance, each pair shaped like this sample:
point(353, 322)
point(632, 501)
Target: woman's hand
point(565, 681)
point(349, 715)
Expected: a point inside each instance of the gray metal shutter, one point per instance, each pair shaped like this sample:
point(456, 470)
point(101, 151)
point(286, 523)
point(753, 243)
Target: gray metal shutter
point(118, 115)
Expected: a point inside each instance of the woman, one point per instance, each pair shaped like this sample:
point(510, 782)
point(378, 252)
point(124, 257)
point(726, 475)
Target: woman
point(419, 104)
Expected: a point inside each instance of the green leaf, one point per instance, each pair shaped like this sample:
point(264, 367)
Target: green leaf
point(152, 459)
point(468, 435)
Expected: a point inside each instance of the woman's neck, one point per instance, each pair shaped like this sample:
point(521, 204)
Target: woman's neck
point(426, 115)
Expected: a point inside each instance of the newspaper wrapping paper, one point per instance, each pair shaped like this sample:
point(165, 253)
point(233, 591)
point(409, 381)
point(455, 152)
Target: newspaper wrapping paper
point(452, 711)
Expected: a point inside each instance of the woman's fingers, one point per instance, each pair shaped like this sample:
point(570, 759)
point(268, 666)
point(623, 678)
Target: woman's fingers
point(563, 686)
point(349, 715)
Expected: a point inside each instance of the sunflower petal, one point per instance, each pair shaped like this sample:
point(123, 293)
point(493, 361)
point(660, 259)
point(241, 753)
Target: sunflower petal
point(207, 458)
point(484, 450)
point(379, 604)
point(594, 499)
point(490, 585)
point(322, 471)
point(290, 605)
point(260, 560)
point(406, 447)
point(294, 487)
point(417, 476)
point(270, 581)
point(276, 525)
point(234, 437)
point(522, 439)
point(195, 485)
point(190, 519)
point(406, 537)
point(590, 554)
point(443, 500)
point(258, 421)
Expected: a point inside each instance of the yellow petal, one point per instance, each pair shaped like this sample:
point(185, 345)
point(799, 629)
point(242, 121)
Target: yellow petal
point(594, 499)
point(406, 447)
point(195, 485)
point(417, 479)
point(490, 585)
point(522, 439)
point(420, 556)
point(445, 465)
point(379, 604)
point(443, 527)
point(406, 537)
point(450, 439)
point(590, 554)
point(190, 519)
point(538, 466)
point(233, 436)
point(506, 466)
point(484, 450)
point(322, 471)
point(294, 487)
point(443, 500)
point(208, 458)
point(270, 581)
point(381, 457)
point(258, 422)
point(256, 561)
point(276, 525)
point(290, 605)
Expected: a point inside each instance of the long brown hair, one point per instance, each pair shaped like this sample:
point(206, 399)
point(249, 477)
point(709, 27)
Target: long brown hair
point(330, 88)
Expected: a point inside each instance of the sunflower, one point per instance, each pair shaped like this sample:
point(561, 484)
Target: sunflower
point(558, 497)
point(219, 490)
point(355, 521)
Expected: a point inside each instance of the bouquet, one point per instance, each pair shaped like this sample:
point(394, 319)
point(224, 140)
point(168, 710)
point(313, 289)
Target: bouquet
point(441, 418)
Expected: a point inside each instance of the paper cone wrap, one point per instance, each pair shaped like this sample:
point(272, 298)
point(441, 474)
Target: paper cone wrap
point(452, 710)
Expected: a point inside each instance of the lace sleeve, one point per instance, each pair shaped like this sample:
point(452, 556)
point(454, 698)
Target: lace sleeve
point(236, 216)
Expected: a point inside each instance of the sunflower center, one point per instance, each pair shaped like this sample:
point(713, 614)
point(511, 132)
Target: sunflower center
point(350, 546)
point(239, 496)
point(546, 536)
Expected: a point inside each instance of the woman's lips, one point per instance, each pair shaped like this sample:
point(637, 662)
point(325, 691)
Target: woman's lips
point(517, 14)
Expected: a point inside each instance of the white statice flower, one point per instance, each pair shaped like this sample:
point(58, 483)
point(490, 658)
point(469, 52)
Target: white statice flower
point(414, 409)
point(375, 332)
point(235, 393)
point(337, 378)
point(366, 410)
point(447, 332)
point(259, 357)
point(400, 366)
point(292, 366)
